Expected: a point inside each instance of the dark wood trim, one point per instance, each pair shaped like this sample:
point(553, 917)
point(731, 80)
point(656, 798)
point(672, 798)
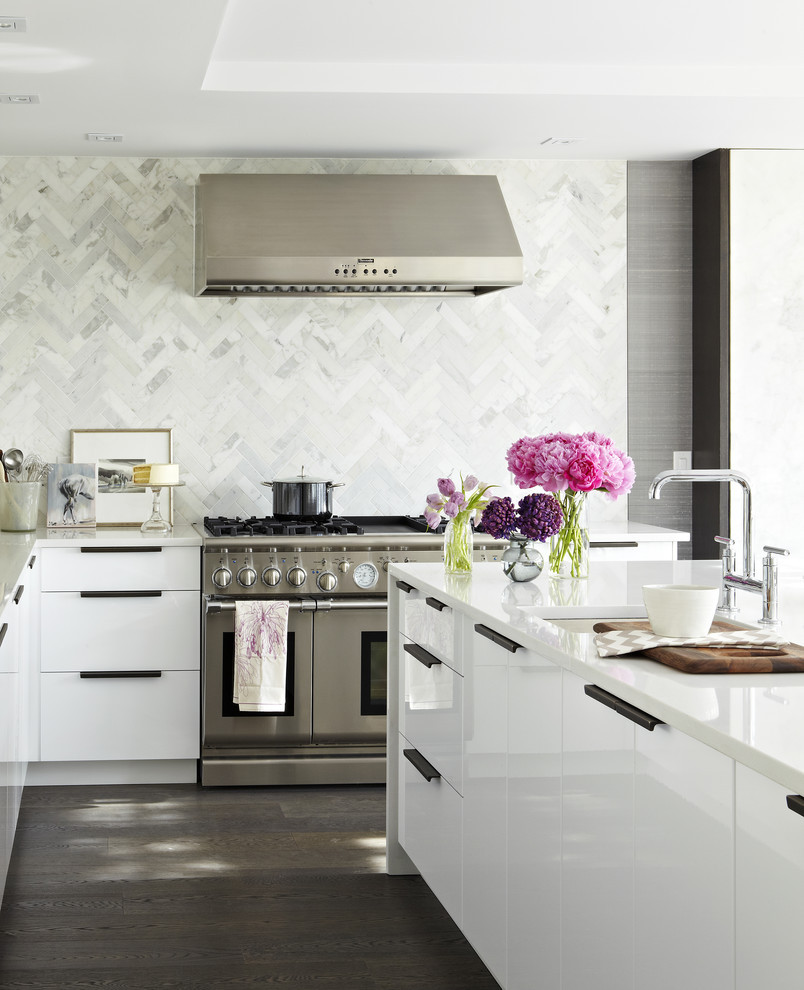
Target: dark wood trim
point(710, 346)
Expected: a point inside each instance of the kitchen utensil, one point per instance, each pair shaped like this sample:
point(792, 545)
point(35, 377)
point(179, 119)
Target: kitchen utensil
point(33, 468)
point(3, 472)
point(12, 462)
point(680, 610)
point(716, 659)
point(302, 497)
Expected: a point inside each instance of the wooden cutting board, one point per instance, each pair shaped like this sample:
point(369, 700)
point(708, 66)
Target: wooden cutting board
point(717, 659)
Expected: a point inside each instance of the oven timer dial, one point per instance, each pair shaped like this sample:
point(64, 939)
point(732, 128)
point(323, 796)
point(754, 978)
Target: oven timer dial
point(271, 576)
point(365, 575)
point(297, 576)
point(327, 581)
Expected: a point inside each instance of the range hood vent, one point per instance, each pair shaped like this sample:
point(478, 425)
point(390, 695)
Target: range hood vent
point(353, 235)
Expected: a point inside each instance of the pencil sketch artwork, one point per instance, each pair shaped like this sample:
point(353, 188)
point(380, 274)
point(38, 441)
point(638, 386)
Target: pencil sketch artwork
point(71, 491)
point(116, 476)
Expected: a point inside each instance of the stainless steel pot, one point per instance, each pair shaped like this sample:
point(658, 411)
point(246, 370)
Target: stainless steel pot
point(302, 497)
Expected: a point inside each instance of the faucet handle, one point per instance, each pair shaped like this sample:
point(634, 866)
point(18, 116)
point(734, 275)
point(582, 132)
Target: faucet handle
point(728, 545)
point(777, 550)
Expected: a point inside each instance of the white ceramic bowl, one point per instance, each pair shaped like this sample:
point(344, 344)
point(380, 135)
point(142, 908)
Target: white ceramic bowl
point(680, 610)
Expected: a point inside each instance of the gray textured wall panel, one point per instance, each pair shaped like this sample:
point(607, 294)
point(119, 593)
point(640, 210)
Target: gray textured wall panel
point(659, 335)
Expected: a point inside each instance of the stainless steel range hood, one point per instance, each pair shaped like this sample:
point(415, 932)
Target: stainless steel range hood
point(294, 235)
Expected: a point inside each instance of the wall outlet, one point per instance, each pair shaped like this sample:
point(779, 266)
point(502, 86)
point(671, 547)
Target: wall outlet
point(682, 460)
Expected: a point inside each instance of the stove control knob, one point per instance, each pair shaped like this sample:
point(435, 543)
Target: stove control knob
point(385, 565)
point(247, 576)
point(327, 581)
point(297, 576)
point(271, 576)
point(344, 566)
point(221, 577)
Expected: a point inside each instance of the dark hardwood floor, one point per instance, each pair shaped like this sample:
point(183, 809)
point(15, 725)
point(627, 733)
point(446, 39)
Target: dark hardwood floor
point(149, 887)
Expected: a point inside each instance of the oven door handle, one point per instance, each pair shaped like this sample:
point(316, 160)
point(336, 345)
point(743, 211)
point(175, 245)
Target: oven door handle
point(306, 605)
point(228, 605)
point(346, 604)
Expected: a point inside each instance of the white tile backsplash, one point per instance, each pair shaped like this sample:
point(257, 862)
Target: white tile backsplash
point(99, 329)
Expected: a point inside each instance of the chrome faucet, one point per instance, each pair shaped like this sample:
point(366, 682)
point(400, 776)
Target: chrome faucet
point(768, 587)
point(715, 474)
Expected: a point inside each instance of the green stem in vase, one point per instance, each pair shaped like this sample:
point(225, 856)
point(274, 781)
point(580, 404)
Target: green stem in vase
point(458, 545)
point(569, 544)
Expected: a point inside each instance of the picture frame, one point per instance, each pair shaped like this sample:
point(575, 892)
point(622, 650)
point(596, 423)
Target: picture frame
point(72, 496)
point(115, 452)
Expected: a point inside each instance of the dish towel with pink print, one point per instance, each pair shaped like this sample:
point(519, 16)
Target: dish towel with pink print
point(260, 655)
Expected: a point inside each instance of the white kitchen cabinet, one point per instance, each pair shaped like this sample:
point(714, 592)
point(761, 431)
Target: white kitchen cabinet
point(769, 892)
point(126, 715)
point(9, 726)
point(118, 632)
point(431, 715)
point(684, 863)
point(485, 841)
point(428, 621)
point(597, 856)
point(120, 653)
point(430, 825)
point(533, 869)
point(137, 567)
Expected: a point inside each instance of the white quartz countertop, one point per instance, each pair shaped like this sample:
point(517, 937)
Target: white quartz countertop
point(756, 719)
point(15, 548)
point(614, 532)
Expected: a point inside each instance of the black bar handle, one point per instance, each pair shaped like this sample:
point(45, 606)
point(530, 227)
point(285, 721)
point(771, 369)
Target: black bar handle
point(3, 631)
point(119, 673)
point(121, 549)
point(427, 770)
point(630, 544)
point(404, 586)
point(18, 594)
point(32, 561)
point(436, 604)
point(495, 637)
point(420, 654)
point(120, 594)
point(636, 715)
point(795, 802)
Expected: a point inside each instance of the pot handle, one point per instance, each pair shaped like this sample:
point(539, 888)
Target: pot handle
point(335, 484)
point(270, 484)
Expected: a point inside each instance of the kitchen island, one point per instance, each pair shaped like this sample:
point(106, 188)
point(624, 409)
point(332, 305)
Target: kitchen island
point(577, 844)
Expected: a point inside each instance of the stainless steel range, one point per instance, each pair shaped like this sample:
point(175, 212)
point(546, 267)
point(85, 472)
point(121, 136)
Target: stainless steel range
point(333, 574)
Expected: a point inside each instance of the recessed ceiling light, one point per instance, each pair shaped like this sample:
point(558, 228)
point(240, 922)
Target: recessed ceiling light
point(549, 142)
point(9, 24)
point(108, 138)
point(18, 98)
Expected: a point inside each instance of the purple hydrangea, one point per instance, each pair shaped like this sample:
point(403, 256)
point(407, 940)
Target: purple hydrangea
point(499, 518)
point(539, 516)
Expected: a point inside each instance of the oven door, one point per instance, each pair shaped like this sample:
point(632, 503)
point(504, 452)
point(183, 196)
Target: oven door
point(350, 648)
point(224, 725)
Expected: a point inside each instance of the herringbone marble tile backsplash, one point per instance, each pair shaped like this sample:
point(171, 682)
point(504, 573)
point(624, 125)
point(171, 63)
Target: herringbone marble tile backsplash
point(99, 329)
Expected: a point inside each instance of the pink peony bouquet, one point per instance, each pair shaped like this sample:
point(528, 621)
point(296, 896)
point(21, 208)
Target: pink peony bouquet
point(580, 462)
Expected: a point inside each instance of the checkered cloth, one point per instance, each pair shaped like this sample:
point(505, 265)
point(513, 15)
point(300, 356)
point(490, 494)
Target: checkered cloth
point(619, 641)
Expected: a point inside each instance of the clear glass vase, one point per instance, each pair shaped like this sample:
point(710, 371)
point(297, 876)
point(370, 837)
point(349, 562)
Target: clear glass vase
point(522, 560)
point(569, 548)
point(458, 545)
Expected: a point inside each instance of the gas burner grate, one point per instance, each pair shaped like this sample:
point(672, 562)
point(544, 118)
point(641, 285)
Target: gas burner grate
point(270, 526)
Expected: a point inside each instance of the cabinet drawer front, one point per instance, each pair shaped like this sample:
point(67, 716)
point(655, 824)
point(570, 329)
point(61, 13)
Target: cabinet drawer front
point(431, 717)
point(426, 621)
point(138, 718)
point(131, 568)
point(121, 633)
point(430, 831)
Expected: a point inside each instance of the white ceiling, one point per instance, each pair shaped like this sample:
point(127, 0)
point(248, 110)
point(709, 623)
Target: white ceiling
point(415, 78)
